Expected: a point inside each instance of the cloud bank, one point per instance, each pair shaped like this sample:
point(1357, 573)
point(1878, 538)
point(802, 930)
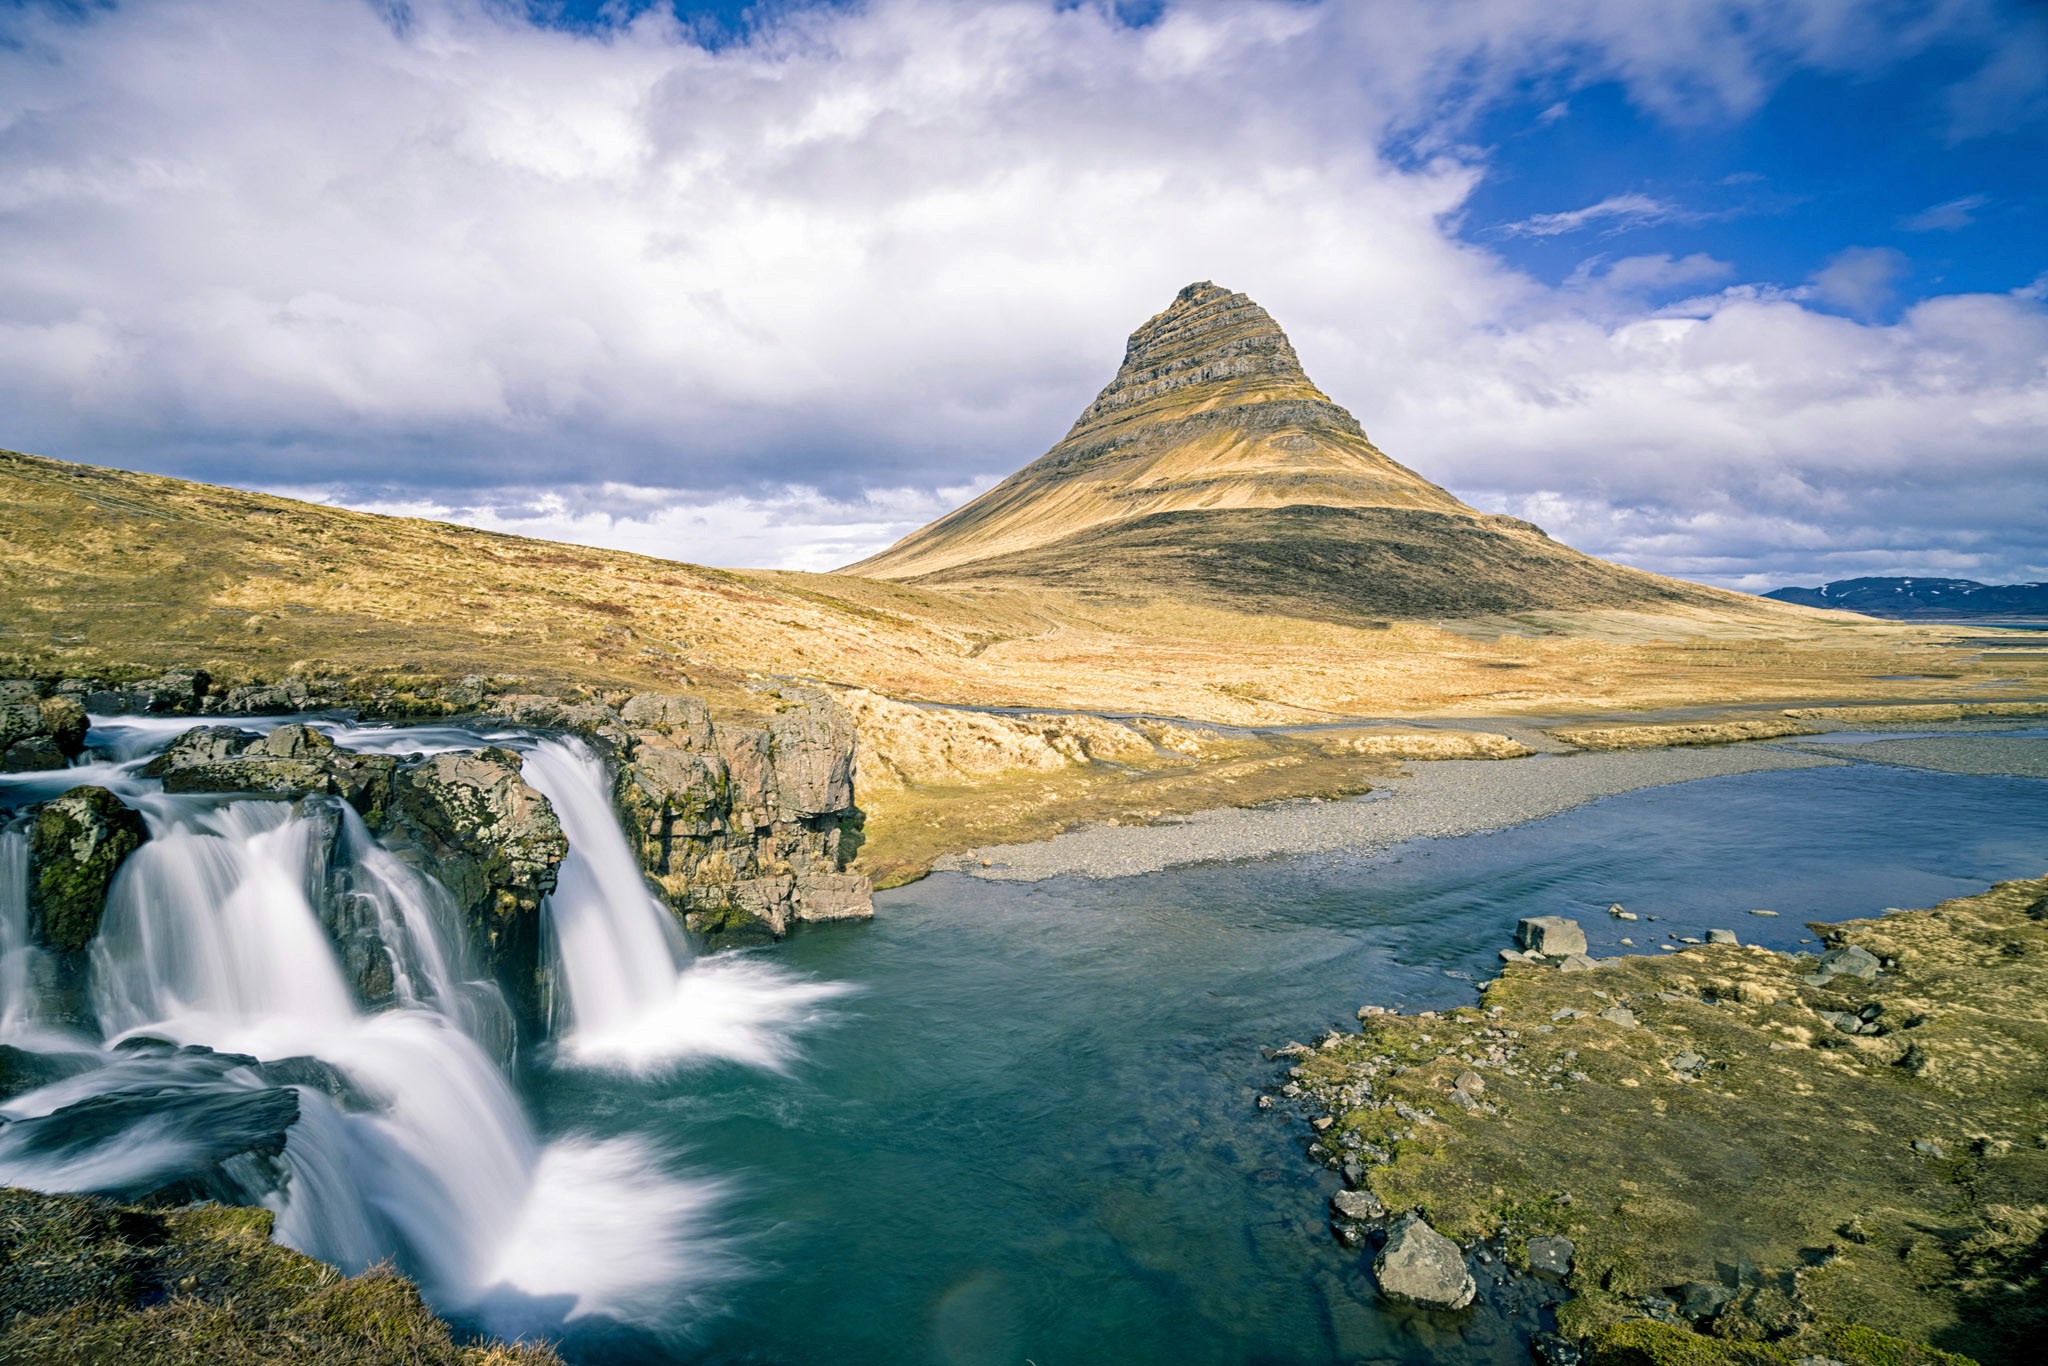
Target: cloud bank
point(821, 281)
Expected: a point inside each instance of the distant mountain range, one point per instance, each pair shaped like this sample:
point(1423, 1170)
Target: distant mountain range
point(1907, 598)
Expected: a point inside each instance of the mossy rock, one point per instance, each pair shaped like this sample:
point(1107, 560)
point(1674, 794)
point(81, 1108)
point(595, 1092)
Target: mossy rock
point(79, 842)
point(85, 1281)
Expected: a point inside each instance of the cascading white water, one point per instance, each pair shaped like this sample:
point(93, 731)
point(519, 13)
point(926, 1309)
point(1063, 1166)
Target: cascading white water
point(17, 954)
point(211, 937)
point(636, 997)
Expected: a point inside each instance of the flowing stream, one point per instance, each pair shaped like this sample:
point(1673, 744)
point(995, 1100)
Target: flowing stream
point(1005, 1122)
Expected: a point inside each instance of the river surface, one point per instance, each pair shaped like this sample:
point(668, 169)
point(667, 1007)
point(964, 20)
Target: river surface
point(1005, 1122)
point(1033, 1133)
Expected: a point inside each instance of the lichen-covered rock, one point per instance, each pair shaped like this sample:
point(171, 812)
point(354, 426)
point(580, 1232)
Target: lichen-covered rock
point(745, 830)
point(290, 761)
point(1418, 1265)
point(495, 844)
point(77, 844)
point(38, 733)
point(180, 692)
point(1553, 936)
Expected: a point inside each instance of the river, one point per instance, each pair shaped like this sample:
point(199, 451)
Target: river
point(1012, 1122)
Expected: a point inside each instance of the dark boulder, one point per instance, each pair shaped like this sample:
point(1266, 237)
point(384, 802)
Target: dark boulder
point(38, 733)
point(77, 844)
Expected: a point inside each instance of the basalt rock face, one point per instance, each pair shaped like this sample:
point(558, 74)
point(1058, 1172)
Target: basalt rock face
point(1212, 470)
point(743, 829)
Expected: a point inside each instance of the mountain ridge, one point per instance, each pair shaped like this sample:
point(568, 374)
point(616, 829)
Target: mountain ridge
point(1902, 598)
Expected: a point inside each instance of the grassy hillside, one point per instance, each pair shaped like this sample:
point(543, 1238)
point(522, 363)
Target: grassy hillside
point(108, 572)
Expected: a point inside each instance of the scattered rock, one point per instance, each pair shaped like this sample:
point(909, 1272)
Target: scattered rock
point(1553, 936)
point(1930, 1147)
point(38, 733)
point(1357, 1205)
point(1577, 962)
point(1768, 913)
point(1721, 937)
point(1551, 1256)
point(1702, 1300)
point(1469, 1082)
point(1620, 1015)
point(1850, 961)
point(1418, 1265)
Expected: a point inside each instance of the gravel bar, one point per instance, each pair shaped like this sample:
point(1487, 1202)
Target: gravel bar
point(1449, 797)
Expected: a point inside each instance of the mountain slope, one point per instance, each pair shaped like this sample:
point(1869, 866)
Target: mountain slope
point(1904, 599)
point(1211, 469)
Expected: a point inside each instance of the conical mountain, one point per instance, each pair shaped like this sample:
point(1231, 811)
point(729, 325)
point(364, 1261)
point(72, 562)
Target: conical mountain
point(1212, 469)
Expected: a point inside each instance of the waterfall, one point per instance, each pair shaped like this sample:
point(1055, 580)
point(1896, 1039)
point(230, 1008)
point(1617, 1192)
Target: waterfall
point(18, 956)
point(415, 1146)
point(636, 997)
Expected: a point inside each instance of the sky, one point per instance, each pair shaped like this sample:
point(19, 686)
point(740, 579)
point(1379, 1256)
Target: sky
point(1753, 292)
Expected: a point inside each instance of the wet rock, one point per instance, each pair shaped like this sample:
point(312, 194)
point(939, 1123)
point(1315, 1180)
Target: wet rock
point(495, 844)
point(22, 1071)
point(77, 844)
point(1551, 1256)
point(38, 733)
point(1548, 1349)
point(1553, 936)
point(1418, 1265)
point(1359, 1206)
point(1721, 937)
point(206, 1144)
point(289, 761)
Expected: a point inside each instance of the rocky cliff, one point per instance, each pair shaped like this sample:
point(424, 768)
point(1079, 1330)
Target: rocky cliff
point(742, 829)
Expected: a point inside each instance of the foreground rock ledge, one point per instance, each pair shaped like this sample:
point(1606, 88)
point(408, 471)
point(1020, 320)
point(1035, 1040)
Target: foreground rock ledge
point(87, 1280)
point(1756, 1158)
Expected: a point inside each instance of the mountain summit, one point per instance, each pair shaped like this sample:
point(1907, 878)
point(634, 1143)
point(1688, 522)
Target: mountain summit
point(1210, 409)
point(1211, 469)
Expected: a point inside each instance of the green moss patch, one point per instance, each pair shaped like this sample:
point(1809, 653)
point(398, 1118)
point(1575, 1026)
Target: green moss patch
point(84, 1280)
point(1803, 1154)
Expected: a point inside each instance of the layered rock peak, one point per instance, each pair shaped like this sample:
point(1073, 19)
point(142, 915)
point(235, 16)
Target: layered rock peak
point(1209, 339)
point(1210, 410)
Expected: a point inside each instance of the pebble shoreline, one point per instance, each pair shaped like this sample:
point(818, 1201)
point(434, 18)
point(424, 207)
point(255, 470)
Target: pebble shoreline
point(1441, 799)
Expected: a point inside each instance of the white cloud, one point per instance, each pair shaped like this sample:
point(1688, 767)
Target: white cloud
point(1616, 213)
point(793, 528)
point(1947, 217)
point(516, 273)
point(1860, 279)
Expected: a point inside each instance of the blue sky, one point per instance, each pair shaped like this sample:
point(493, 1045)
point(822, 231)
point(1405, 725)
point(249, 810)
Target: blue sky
point(1752, 292)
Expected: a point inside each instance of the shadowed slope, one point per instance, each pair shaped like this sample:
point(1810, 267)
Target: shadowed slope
point(1212, 469)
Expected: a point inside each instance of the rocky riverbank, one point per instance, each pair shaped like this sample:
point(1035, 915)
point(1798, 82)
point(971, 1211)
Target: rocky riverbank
point(1727, 1154)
